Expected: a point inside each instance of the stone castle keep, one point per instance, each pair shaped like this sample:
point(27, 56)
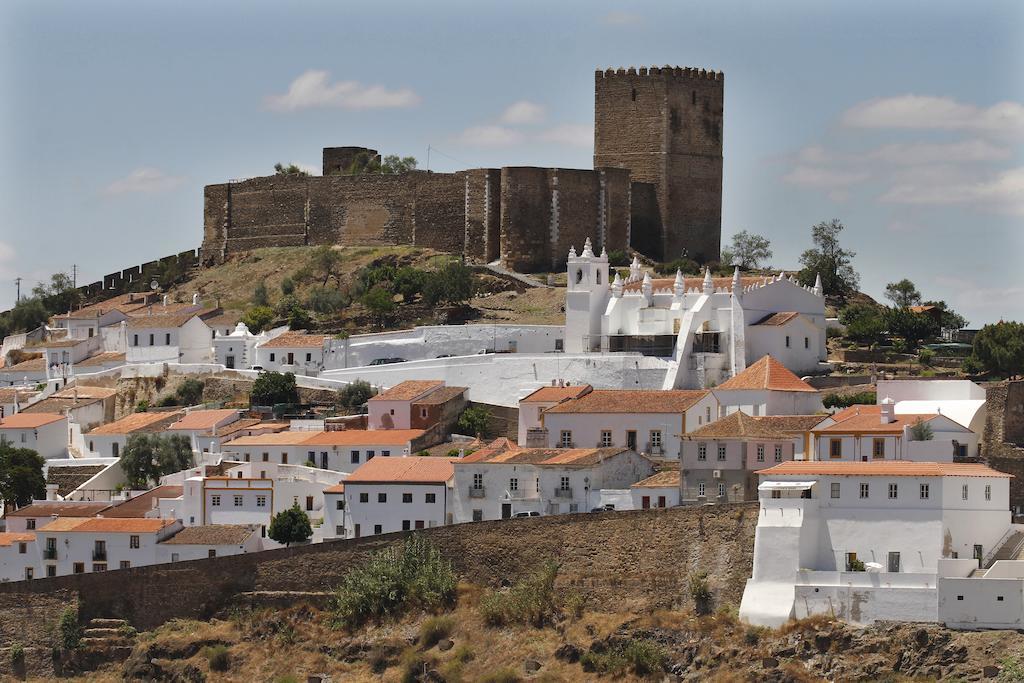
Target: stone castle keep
point(656, 186)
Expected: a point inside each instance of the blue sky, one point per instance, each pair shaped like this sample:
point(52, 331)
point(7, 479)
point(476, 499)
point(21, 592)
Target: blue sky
point(903, 119)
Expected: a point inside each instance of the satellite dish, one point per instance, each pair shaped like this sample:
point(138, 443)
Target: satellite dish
point(154, 285)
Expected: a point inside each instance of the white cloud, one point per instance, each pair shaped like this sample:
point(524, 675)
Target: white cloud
point(922, 112)
point(522, 112)
point(313, 89)
point(575, 134)
point(621, 19)
point(943, 186)
point(6, 252)
point(964, 151)
point(147, 180)
point(490, 136)
point(969, 294)
point(823, 178)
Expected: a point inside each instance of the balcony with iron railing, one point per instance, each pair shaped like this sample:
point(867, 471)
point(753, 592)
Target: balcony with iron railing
point(476, 492)
point(563, 493)
point(99, 555)
point(49, 553)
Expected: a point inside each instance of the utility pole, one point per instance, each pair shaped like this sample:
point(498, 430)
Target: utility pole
point(17, 283)
point(74, 276)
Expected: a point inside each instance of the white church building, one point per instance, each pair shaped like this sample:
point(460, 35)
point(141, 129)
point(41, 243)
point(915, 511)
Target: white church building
point(710, 328)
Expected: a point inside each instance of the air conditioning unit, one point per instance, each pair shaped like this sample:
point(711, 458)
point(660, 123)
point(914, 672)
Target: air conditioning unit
point(717, 474)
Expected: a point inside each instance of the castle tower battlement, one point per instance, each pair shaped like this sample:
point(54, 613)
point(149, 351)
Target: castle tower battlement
point(665, 125)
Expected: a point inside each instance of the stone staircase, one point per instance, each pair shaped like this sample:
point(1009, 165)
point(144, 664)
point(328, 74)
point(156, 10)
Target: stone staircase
point(1010, 550)
point(107, 640)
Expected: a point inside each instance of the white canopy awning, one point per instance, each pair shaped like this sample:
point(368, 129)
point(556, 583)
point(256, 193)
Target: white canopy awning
point(786, 485)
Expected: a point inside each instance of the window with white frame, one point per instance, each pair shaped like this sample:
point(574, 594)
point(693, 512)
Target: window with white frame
point(700, 489)
point(564, 484)
point(133, 541)
point(261, 501)
point(606, 438)
point(865, 490)
point(215, 501)
point(721, 451)
point(655, 438)
point(707, 413)
point(988, 491)
point(702, 451)
point(760, 452)
point(924, 491)
point(778, 453)
point(721, 490)
point(238, 501)
point(894, 491)
point(963, 492)
point(565, 438)
point(835, 489)
point(478, 481)
point(513, 484)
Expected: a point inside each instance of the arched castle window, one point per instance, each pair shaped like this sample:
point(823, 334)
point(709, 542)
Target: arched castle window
point(579, 275)
point(634, 94)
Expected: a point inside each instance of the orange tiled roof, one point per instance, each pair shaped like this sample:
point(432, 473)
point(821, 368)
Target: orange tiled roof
point(408, 390)
point(30, 365)
point(504, 451)
point(411, 470)
point(271, 439)
point(124, 525)
point(29, 420)
point(890, 468)
point(738, 425)
point(777, 319)
point(694, 282)
point(212, 534)
point(135, 422)
point(143, 503)
point(337, 488)
point(364, 437)
point(631, 401)
point(580, 457)
point(124, 303)
point(767, 373)
point(661, 480)
point(868, 418)
point(101, 359)
point(159, 320)
point(60, 509)
point(556, 394)
point(82, 391)
point(296, 340)
point(203, 419)
point(10, 538)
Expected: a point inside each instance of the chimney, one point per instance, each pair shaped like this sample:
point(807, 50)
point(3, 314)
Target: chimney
point(554, 382)
point(51, 491)
point(887, 413)
point(165, 301)
point(195, 298)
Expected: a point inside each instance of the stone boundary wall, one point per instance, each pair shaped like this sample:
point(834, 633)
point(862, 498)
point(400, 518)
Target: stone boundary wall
point(634, 559)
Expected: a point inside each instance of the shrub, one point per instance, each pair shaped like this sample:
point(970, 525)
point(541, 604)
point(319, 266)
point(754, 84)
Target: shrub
point(353, 395)
point(290, 526)
point(394, 580)
point(189, 392)
point(69, 629)
point(258, 318)
point(925, 356)
point(687, 266)
point(832, 332)
point(217, 657)
point(287, 286)
point(260, 296)
point(274, 387)
point(530, 601)
point(413, 664)
point(434, 630)
point(127, 631)
point(847, 400)
point(474, 420)
point(921, 431)
point(972, 366)
point(17, 653)
point(575, 603)
point(857, 565)
point(618, 258)
point(463, 653)
point(327, 300)
point(643, 656)
point(142, 406)
point(700, 592)
point(167, 401)
point(752, 636)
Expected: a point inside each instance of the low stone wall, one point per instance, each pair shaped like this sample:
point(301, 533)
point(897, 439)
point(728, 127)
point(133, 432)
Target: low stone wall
point(634, 559)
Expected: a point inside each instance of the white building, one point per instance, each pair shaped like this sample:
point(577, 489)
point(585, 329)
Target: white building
point(108, 440)
point(295, 352)
point(711, 327)
point(179, 337)
point(767, 388)
point(416, 404)
point(503, 479)
point(649, 422)
point(660, 490)
point(212, 540)
point(237, 348)
point(958, 399)
point(42, 512)
point(19, 558)
point(341, 450)
point(44, 433)
point(396, 494)
point(908, 524)
point(533, 405)
point(200, 426)
point(866, 432)
point(71, 545)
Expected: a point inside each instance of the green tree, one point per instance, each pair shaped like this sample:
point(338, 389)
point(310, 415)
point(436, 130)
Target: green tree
point(290, 526)
point(189, 392)
point(1000, 348)
point(147, 457)
point(903, 293)
point(274, 387)
point(911, 327)
point(864, 322)
point(829, 260)
point(394, 164)
point(380, 303)
point(951, 320)
point(921, 431)
point(353, 395)
point(325, 264)
point(258, 318)
point(59, 294)
point(451, 284)
point(474, 420)
point(290, 169)
point(27, 315)
point(747, 251)
point(326, 300)
point(363, 163)
point(21, 475)
point(260, 296)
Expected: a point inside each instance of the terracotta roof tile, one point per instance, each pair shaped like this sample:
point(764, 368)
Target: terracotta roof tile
point(202, 419)
point(101, 359)
point(122, 302)
point(439, 396)
point(296, 340)
point(868, 418)
point(766, 373)
point(580, 457)
point(739, 425)
point(891, 468)
point(158, 320)
point(29, 420)
point(30, 365)
point(138, 422)
point(70, 478)
point(61, 509)
point(270, 439)
point(364, 437)
point(142, 503)
point(631, 401)
point(337, 488)
point(63, 524)
point(126, 525)
point(58, 404)
point(504, 451)
point(408, 390)
point(410, 470)
point(8, 394)
point(9, 538)
point(661, 480)
point(212, 534)
point(556, 394)
point(777, 319)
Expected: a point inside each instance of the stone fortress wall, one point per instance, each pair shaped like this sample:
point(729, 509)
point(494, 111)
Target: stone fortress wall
point(656, 185)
